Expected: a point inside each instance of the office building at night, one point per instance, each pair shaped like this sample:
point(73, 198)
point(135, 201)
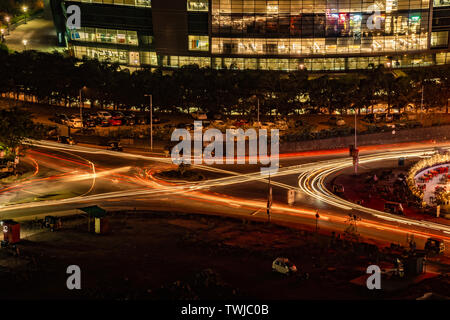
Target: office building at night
point(317, 35)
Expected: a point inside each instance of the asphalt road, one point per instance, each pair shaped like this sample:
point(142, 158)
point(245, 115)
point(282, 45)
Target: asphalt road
point(70, 177)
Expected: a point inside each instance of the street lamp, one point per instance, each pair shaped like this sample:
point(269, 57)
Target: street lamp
point(24, 41)
point(151, 119)
point(81, 105)
point(7, 22)
point(24, 9)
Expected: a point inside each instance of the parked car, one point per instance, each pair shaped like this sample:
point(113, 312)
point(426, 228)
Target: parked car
point(102, 122)
point(267, 125)
point(60, 118)
point(115, 121)
point(75, 122)
point(88, 122)
point(104, 114)
point(374, 118)
point(52, 131)
point(181, 125)
point(336, 121)
point(298, 123)
point(199, 116)
point(435, 246)
point(129, 119)
point(217, 124)
point(283, 266)
point(156, 119)
point(240, 123)
point(118, 114)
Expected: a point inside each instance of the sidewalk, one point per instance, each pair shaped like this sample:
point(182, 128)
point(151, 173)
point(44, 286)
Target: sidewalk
point(39, 33)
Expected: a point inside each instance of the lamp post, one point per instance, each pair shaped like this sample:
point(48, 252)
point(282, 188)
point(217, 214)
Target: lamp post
point(151, 120)
point(258, 111)
point(355, 130)
point(356, 154)
point(24, 8)
point(24, 41)
point(317, 220)
point(81, 104)
point(7, 22)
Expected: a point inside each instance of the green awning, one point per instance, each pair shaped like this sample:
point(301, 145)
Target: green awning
point(94, 211)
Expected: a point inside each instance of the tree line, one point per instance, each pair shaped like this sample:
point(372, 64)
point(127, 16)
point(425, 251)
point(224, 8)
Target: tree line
point(54, 78)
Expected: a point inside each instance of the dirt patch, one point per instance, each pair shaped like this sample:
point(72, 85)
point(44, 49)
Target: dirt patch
point(175, 256)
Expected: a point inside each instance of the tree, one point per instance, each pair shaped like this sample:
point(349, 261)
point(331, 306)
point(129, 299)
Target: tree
point(16, 125)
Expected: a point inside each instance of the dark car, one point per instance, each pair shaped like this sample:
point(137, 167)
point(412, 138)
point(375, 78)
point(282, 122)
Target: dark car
point(66, 140)
point(88, 122)
point(156, 120)
point(129, 119)
point(102, 122)
point(435, 246)
point(60, 118)
point(298, 123)
point(114, 146)
point(115, 121)
point(141, 119)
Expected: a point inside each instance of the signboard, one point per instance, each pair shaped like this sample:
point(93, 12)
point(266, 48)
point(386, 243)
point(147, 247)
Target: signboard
point(291, 197)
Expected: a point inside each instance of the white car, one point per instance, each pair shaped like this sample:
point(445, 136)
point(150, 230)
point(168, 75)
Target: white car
point(75, 123)
point(199, 116)
point(218, 124)
point(284, 266)
point(340, 122)
point(267, 125)
point(104, 115)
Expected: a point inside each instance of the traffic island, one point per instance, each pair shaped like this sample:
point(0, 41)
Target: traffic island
point(383, 186)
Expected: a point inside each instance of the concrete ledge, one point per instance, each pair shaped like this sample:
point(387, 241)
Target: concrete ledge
point(406, 135)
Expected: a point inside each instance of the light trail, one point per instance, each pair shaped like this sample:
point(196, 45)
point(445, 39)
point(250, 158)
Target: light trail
point(313, 184)
point(311, 181)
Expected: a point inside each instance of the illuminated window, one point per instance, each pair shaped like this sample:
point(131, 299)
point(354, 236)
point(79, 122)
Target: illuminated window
point(134, 3)
point(439, 39)
point(197, 5)
point(199, 43)
point(441, 3)
point(105, 35)
point(143, 3)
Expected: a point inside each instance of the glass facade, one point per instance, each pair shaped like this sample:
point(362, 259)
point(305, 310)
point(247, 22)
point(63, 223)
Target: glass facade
point(441, 3)
point(309, 27)
point(105, 36)
point(317, 35)
point(135, 3)
point(198, 43)
point(198, 5)
point(439, 39)
point(134, 58)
